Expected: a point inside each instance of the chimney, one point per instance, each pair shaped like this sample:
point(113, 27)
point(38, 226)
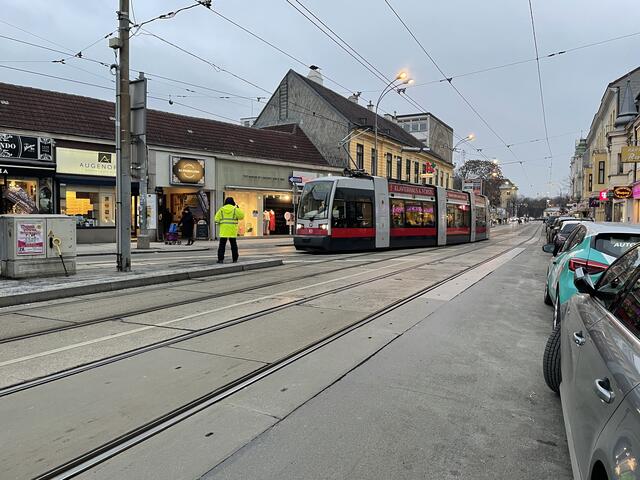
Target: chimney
point(355, 96)
point(314, 74)
point(370, 106)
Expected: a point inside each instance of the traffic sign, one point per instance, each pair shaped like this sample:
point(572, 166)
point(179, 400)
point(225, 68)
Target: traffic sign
point(295, 179)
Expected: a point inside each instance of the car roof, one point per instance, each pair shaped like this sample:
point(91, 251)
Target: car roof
point(595, 228)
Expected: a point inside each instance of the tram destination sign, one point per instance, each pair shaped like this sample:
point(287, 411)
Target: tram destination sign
point(411, 189)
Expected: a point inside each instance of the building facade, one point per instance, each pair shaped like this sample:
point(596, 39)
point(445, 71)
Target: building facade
point(194, 162)
point(606, 178)
point(344, 132)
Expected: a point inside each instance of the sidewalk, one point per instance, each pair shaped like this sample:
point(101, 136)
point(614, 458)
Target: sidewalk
point(95, 249)
point(98, 280)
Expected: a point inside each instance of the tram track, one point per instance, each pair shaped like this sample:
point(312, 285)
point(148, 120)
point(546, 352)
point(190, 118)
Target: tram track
point(117, 445)
point(189, 301)
point(64, 373)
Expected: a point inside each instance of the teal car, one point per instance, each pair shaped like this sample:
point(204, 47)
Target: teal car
point(592, 246)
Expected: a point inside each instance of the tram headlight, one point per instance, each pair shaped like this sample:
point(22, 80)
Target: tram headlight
point(324, 226)
point(299, 226)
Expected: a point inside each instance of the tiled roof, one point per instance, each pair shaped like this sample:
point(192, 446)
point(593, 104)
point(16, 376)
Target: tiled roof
point(362, 116)
point(31, 109)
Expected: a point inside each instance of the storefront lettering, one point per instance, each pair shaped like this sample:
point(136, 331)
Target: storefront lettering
point(4, 171)
point(188, 171)
point(19, 146)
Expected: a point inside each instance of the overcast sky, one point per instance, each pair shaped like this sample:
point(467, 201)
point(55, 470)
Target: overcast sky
point(461, 35)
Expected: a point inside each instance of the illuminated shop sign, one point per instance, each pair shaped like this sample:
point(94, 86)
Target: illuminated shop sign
point(187, 171)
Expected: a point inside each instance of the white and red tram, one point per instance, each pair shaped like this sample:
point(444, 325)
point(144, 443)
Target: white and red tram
point(366, 212)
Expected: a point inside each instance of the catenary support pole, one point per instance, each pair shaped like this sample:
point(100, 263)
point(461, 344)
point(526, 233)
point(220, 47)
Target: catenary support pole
point(123, 145)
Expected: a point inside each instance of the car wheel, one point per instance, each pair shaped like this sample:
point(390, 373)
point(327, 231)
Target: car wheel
point(556, 313)
point(547, 298)
point(551, 361)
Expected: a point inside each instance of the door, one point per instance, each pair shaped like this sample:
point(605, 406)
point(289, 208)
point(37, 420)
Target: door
point(382, 212)
point(608, 368)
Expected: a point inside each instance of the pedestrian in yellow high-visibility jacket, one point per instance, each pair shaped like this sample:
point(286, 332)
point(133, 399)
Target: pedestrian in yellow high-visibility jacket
point(227, 217)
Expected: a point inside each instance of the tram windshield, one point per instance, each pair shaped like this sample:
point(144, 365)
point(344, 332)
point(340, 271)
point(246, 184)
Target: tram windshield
point(314, 201)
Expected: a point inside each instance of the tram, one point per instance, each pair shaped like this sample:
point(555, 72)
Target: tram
point(369, 212)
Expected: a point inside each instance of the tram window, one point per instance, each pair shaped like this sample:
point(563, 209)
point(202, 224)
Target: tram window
point(352, 209)
point(428, 214)
point(481, 217)
point(413, 212)
point(458, 216)
point(397, 213)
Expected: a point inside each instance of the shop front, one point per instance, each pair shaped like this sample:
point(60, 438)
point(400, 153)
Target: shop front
point(27, 169)
point(179, 181)
point(86, 184)
point(264, 192)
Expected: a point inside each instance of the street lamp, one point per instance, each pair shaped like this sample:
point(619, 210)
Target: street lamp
point(468, 138)
point(400, 79)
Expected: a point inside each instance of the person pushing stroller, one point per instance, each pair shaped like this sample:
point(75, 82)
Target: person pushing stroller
point(227, 217)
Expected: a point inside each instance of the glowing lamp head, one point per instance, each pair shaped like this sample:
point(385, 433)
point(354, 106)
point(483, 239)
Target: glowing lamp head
point(401, 76)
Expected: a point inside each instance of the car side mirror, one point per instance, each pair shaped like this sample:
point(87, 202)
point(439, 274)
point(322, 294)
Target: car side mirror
point(583, 282)
point(548, 248)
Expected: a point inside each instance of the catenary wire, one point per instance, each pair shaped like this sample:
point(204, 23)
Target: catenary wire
point(544, 112)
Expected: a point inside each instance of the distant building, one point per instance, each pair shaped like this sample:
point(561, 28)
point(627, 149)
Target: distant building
point(430, 130)
point(248, 121)
point(508, 196)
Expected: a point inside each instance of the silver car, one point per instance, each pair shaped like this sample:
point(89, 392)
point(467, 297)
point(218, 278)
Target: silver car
point(593, 360)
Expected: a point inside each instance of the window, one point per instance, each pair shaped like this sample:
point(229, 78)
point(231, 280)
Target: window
point(442, 178)
point(458, 216)
point(397, 213)
point(615, 244)
point(614, 278)
point(481, 217)
point(447, 182)
point(399, 168)
point(576, 237)
point(422, 127)
point(601, 171)
point(352, 209)
point(374, 162)
point(620, 164)
point(408, 170)
point(415, 127)
point(416, 172)
point(406, 126)
point(590, 182)
point(435, 178)
point(628, 310)
point(314, 201)
point(360, 156)
point(412, 214)
point(389, 165)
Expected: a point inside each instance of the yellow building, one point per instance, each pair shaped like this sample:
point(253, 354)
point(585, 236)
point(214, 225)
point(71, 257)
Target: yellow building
point(398, 161)
point(509, 197)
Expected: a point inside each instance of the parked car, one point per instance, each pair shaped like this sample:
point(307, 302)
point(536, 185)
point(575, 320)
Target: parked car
point(552, 227)
point(565, 229)
point(593, 246)
point(592, 359)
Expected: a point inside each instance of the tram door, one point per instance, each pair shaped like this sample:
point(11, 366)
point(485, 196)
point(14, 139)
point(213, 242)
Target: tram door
point(381, 189)
point(474, 224)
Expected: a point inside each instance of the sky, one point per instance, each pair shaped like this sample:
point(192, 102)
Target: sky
point(462, 36)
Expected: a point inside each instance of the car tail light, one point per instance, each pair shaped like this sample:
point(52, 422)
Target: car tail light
point(589, 266)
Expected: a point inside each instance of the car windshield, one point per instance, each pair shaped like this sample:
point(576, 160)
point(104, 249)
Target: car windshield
point(314, 202)
point(615, 244)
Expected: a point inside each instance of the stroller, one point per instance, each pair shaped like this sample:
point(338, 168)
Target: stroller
point(171, 238)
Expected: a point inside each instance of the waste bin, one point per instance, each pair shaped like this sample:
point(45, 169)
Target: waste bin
point(37, 246)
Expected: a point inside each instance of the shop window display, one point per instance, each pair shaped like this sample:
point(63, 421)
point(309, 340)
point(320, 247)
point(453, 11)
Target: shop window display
point(20, 196)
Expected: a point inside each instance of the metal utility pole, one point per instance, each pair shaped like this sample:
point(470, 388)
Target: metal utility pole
point(123, 143)
point(139, 160)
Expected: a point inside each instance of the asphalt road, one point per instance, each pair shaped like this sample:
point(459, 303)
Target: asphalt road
point(51, 423)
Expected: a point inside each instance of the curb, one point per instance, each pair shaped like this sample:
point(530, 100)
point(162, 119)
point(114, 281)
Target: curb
point(141, 281)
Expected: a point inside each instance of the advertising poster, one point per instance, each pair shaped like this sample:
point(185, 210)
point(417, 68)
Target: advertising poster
point(30, 238)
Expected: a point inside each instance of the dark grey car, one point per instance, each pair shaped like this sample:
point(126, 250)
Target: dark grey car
point(593, 359)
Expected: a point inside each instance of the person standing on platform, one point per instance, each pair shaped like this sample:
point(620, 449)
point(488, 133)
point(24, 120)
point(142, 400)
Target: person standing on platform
point(187, 222)
point(227, 217)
